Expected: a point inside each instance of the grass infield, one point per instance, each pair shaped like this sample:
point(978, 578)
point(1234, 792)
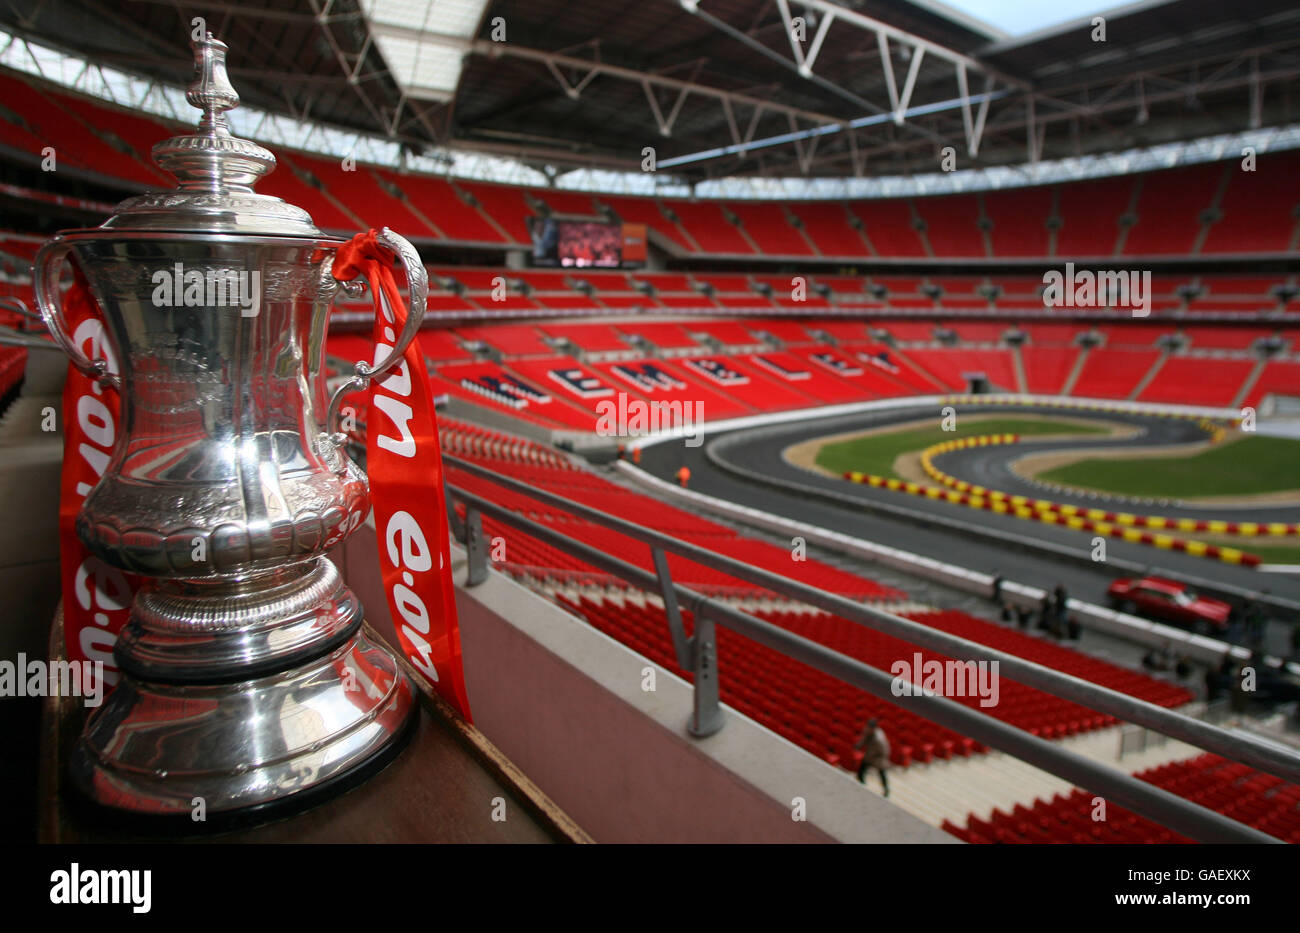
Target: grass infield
point(1242, 467)
point(1269, 553)
point(876, 453)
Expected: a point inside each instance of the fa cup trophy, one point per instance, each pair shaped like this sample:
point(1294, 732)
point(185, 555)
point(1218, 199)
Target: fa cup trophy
point(246, 679)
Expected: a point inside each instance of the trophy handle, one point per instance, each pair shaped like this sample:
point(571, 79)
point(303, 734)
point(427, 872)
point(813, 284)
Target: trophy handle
point(417, 289)
point(48, 266)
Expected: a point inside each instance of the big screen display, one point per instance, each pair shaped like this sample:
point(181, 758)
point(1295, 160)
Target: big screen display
point(587, 244)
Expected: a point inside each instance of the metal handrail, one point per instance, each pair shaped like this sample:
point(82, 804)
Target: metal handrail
point(1237, 746)
point(29, 339)
point(1168, 809)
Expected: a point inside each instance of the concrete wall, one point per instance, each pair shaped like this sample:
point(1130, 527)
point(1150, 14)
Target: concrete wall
point(565, 703)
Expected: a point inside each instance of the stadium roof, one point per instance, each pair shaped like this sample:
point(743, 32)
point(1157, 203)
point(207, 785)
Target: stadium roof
point(721, 88)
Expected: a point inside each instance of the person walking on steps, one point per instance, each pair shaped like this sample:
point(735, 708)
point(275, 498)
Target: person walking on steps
point(875, 753)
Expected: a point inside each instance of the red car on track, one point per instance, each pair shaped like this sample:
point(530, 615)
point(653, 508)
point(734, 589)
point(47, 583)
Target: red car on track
point(1168, 601)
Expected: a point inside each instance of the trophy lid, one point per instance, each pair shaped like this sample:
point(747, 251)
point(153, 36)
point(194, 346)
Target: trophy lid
point(216, 171)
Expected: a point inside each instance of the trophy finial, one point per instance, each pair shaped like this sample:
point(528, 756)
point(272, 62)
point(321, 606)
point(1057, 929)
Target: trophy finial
point(215, 170)
point(211, 90)
point(213, 159)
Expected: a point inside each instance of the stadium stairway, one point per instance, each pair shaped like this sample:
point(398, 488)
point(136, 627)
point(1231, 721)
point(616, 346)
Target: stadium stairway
point(1248, 384)
point(1073, 378)
point(957, 788)
point(1018, 364)
point(1149, 376)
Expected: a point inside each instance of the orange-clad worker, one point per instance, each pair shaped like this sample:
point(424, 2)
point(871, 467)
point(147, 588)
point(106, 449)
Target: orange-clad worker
point(684, 476)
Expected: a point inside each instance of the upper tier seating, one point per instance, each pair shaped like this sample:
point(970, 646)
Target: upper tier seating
point(1169, 209)
point(646, 211)
point(506, 206)
point(79, 132)
point(1258, 208)
point(827, 226)
point(437, 200)
point(889, 228)
point(770, 229)
point(709, 227)
point(1172, 211)
point(952, 225)
point(362, 195)
point(1089, 213)
point(1019, 219)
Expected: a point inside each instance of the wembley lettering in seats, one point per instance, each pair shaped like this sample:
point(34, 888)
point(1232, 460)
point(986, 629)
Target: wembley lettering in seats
point(775, 366)
point(836, 365)
point(506, 389)
point(580, 384)
point(880, 361)
point(718, 371)
point(648, 377)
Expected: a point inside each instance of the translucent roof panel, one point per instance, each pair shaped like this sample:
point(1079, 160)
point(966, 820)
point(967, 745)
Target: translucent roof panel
point(424, 42)
point(1021, 17)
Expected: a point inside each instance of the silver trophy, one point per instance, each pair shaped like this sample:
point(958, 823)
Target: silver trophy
point(246, 679)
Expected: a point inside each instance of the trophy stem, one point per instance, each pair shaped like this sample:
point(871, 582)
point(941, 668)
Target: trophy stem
point(218, 631)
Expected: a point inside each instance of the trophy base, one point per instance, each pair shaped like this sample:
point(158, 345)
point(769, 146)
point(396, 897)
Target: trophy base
point(214, 756)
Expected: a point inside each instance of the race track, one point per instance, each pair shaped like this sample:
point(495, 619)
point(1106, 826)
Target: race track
point(747, 467)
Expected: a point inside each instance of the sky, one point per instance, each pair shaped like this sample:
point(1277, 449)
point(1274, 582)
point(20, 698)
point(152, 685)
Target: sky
point(1018, 17)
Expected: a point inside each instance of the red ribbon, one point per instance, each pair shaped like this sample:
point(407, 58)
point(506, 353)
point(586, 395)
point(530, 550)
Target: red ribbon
point(404, 463)
point(96, 597)
point(406, 482)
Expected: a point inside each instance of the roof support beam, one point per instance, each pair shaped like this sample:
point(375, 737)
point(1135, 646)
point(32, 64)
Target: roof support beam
point(593, 68)
point(828, 130)
point(974, 126)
